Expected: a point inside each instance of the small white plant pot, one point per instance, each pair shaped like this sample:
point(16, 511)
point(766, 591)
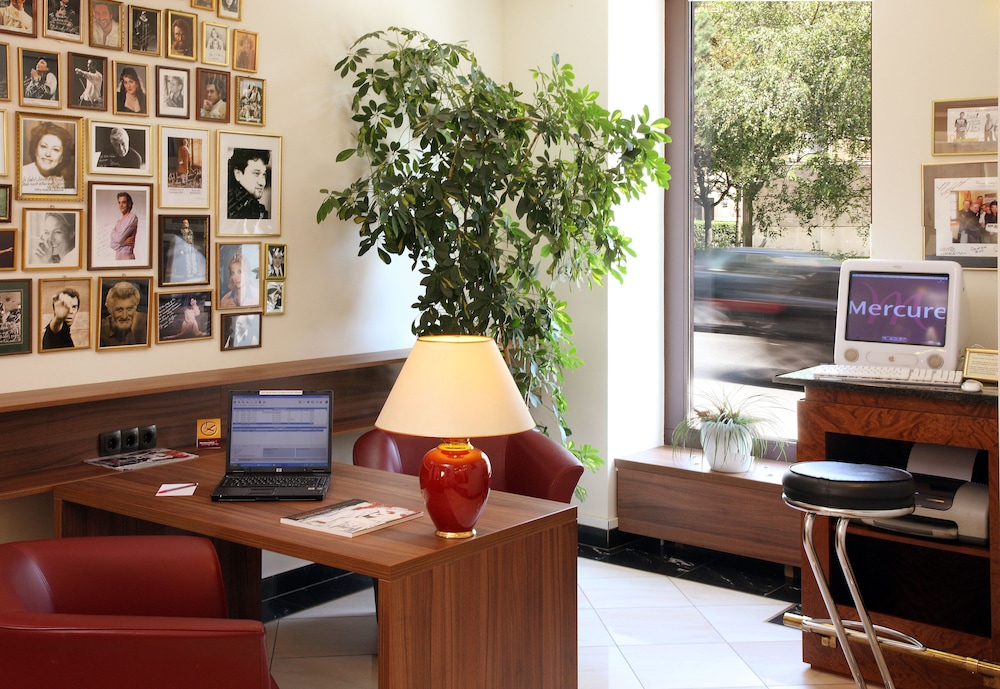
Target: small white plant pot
point(727, 448)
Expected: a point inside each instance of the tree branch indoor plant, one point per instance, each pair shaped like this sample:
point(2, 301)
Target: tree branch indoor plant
point(494, 198)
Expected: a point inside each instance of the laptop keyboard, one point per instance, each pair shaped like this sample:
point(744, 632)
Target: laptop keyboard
point(279, 480)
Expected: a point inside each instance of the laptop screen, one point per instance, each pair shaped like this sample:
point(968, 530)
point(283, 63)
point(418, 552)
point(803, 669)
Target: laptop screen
point(280, 430)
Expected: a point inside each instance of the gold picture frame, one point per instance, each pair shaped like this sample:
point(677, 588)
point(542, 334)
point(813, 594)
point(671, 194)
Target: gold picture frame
point(965, 126)
point(36, 141)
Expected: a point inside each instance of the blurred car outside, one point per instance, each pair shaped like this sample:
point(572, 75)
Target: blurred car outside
point(772, 293)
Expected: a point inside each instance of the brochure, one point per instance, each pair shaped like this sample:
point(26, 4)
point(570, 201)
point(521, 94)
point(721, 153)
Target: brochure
point(351, 518)
point(140, 459)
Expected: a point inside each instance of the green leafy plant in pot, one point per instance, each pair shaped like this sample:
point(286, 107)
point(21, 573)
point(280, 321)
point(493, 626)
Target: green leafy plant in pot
point(493, 197)
point(731, 429)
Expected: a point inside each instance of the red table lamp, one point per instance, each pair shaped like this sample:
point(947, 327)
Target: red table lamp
point(455, 387)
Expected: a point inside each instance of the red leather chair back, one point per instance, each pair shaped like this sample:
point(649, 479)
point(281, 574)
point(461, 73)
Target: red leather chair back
point(527, 463)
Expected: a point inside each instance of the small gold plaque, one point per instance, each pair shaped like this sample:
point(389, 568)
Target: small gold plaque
point(981, 364)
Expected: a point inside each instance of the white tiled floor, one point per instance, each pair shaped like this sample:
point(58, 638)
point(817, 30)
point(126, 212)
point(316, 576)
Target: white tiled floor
point(636, 631)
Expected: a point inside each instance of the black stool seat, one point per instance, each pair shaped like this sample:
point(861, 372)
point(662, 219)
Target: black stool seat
point(849, 486)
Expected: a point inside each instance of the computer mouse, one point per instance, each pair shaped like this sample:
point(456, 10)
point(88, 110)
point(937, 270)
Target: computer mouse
point(970, 385)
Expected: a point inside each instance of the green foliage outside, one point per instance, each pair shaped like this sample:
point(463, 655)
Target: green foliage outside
point(782, 114)
point(494, 197)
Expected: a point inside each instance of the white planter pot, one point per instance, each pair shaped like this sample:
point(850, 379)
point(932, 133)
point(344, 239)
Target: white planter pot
point(727, 448)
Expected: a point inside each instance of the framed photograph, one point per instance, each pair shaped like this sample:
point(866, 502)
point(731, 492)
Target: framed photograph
point(183, 316)
point(40, 78)
point(6, 192)
point(214, 44)
point(249, 200)
point(120, 226)
point(173, 92)
point(124, 309)
point(212, 95)
point(239, 279)
point(62, 20)
point(250, 108)
point(183, 176)
point(244, 50)
point(119, 148)
point(960, 213)
point(8, 250)
point(965, 127)
point(184, 242)
point(4, 71)
point(230, 9)
point(64, 308)
point(19, 17)
point(131, 90)
point(182, 33)
point(15, 316)
point(49, 166)
point(203, 5)
point(240, 330)
point(88, 82)
point(106, 18)
point(275, 256)
point(274, 297)
point(53, 238)
point(143, 31)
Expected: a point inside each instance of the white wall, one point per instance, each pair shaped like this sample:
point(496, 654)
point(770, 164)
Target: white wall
point(336, 303)
point(914, 63)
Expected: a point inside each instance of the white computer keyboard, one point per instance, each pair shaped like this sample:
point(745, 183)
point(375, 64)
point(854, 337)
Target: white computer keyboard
point(893, 375)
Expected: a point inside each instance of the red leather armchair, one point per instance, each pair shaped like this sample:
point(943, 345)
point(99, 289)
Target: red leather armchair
point(121, 612)
point(527, 463)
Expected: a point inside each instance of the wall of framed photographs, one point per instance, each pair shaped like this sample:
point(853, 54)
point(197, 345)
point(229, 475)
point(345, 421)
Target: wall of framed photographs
point(143, 205)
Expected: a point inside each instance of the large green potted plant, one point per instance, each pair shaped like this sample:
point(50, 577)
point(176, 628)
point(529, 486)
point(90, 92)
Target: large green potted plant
point(494, 198)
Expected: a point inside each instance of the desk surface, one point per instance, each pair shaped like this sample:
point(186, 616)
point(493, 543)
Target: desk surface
point(388, 553)
point(494, 611)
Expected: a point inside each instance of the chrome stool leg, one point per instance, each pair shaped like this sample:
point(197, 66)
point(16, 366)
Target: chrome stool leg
point(831, 605)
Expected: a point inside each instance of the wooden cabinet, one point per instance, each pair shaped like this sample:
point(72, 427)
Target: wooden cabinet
point(673, 495)
point(944, 593)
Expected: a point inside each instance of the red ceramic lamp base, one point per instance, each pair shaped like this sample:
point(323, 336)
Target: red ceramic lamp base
point(455, 482)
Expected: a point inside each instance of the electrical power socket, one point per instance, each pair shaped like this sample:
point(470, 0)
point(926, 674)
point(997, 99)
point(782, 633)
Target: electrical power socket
point(147, 437)
point(109, 443)
point(130, 439)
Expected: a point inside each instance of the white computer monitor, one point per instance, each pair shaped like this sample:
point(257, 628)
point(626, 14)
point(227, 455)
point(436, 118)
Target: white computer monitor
point(900, 313)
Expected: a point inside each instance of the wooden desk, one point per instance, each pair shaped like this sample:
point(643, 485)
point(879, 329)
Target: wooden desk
point(495, 611)
point(944, 593)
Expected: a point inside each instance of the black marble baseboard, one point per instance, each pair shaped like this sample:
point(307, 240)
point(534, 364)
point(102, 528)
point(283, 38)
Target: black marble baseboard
point(312, 585)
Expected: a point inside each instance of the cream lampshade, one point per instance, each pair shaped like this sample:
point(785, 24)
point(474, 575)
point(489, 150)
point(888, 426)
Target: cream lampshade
point(455, 387)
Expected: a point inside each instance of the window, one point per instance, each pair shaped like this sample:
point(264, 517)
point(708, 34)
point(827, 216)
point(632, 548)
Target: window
point(777, 113)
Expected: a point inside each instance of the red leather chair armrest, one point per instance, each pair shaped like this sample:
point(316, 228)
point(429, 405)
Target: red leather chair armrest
point(540, 467)
point(112, 652)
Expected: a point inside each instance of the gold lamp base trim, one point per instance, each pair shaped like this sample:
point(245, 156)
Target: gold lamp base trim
point(455, 534)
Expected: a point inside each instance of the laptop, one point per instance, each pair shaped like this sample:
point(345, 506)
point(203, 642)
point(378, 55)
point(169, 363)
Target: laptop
point(278, 446)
